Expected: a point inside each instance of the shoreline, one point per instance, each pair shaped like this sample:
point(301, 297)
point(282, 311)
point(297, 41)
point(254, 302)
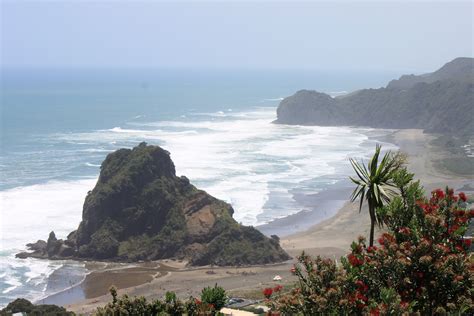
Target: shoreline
point(340, 230)
point(329, 238)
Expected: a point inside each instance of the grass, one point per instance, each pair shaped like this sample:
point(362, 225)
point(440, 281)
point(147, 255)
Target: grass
point(457, 162)
point(462, 166)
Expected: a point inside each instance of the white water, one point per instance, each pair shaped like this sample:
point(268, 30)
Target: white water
point(30, 213)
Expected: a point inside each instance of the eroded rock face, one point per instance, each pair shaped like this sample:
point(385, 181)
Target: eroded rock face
point(140, 210)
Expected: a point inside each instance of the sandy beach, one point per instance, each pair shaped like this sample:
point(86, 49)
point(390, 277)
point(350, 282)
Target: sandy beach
point(329, 238)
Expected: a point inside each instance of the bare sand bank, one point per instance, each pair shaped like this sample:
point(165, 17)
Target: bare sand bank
point(330, 238)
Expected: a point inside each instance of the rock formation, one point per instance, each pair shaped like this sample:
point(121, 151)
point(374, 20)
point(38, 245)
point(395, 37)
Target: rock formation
point(438, 102)
point(140, 210)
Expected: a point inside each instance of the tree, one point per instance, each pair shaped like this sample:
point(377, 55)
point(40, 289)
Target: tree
point(375, 183)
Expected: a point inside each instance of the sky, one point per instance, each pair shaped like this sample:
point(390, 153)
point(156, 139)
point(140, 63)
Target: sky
point(373, 35)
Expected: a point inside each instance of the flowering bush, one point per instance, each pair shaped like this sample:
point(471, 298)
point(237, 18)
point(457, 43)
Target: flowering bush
point(319, 290)
point(422, 264)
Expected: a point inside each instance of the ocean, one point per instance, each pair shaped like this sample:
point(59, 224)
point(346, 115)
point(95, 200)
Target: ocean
point(57, 126)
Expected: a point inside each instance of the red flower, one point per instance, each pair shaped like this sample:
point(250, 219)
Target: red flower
point(267, 292)
point(362, 286)
point(404, 230)
point(361, 297)
point(381, 241)
point(293, 270)
point(438, 193)
point(375, 311)
point(467, 243)
point(353, 260)
point(404, 305)
point(461, 220)
point(471, 213)
point(420, 275)
point(453, 229)
point(463, 197)
point(386, 239)
point(277, 288)
point(198, 302)
point(371, 249)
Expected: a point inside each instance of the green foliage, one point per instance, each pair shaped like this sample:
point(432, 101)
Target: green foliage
point(375, 183)
point(141, 306)
point(22, 305)
point(239, 245)
point(401, 211)
point(215, 296)
point(104, 242)
point(463, 165)
point(213, 299)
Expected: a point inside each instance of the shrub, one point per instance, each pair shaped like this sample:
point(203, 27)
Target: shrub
point(22, 305)
point(422, 264)
point(141, 306)
point(214, 296)
point(212, 300)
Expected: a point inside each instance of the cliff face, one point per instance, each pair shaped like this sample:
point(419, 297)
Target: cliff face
point(140, 210)
point(441, 102)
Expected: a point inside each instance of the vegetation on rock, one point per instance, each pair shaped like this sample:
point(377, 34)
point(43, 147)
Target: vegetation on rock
point(140, 210)
point(22, 305)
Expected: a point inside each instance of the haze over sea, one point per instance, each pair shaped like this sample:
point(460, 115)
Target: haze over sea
point(57, 126)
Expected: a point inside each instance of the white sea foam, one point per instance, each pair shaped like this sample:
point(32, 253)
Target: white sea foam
point(12, 282)
point(120, 130)
point(272, 99)
point(95, 150)
point(92, 165)
point(27, 214)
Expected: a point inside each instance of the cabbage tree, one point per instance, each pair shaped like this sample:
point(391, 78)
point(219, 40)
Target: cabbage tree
point(375, 184)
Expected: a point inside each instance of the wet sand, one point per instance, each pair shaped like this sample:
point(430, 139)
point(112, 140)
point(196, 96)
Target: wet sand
point(330, 238)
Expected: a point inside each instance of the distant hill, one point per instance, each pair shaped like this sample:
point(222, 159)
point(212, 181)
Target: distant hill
point(439, 102)
point(140, 210)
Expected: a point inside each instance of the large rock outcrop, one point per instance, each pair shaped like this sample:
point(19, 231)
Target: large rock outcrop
point(140, 210)
point(440, 102)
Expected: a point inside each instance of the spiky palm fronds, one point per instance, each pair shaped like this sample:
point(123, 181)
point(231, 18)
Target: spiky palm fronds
point(375, 182)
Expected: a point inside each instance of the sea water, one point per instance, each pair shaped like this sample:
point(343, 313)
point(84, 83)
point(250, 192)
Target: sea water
point(57, 126)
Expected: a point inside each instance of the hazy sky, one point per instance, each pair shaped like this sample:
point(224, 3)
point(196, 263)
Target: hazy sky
point(401, 35)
